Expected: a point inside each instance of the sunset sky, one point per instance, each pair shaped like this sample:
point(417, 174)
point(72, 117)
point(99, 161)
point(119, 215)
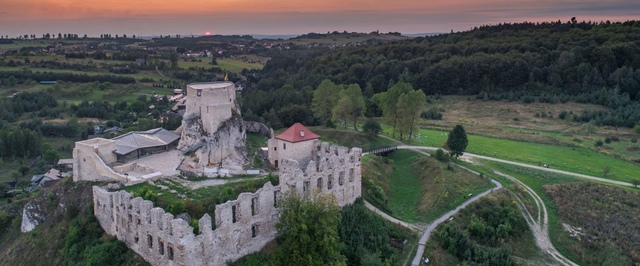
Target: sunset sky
point(152, 17)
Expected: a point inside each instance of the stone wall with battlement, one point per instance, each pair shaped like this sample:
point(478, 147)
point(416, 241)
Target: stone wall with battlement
point(242, 226)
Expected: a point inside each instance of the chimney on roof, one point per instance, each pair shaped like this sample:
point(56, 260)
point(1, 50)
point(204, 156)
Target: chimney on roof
point(301, 133)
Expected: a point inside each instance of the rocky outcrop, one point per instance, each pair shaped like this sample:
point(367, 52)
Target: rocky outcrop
point(223, 148)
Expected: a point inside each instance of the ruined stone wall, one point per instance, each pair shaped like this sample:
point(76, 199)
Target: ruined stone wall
point(242, 226)
point(90, 159)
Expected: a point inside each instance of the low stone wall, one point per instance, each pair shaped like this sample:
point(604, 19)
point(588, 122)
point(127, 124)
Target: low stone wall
point(242, 226)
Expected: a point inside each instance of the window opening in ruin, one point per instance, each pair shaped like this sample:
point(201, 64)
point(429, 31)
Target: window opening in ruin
point(351, 175)
point(319, 184)
point(160, 247)
point(284, 146)
point(139, 221)
point(305, 187)
point(170, 252)
point(233, 213)
point(319, 147)
point(275, 198)
point(135, 239)
point(341, 179)
point(254, 230)
point(130, 218)
point(254, 206)
point(275, 163)
point(330, 182)
point(199, 93)
point(150, 241)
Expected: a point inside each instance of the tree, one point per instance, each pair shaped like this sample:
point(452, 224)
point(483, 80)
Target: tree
point(308, 231)
point(325, 98)
point(410, 105)
point(51, 156)
point(371, 127)
point(23, 170)
point(388, 102)
point(457, 141)
point(350, 107)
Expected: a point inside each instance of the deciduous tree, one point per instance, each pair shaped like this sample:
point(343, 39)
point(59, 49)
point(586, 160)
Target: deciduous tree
point(308, 231)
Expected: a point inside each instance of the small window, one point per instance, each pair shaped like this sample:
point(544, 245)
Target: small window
point(275, 163)
point(319, 184)
point(150, 241)
point(254, 206)
point(160, 247)
point(136, 239)
point(275, 198)
point(341, 179)
point(275, 148)
point(233, 214)
point(170, 252)
point(351, 175)
point(284, 146)
point(330, 182)
point(199, 93)
point(254, 230)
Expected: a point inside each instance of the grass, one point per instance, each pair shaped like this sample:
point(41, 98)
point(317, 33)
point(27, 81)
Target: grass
point(417, 188)
point(574, 159)
point(254, 143)
point(138, 76)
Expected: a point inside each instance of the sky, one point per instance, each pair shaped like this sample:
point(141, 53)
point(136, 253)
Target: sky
point(155, 17)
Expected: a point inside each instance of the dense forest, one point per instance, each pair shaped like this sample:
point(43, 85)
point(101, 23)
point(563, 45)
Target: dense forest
point(554, 62)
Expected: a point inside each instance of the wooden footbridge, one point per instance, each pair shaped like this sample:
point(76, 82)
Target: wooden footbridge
point(380, 151)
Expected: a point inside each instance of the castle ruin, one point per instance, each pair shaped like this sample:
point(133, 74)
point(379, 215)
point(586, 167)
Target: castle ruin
point(242, 226)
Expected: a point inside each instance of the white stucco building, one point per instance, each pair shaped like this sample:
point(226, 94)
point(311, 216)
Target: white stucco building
point(296, 143)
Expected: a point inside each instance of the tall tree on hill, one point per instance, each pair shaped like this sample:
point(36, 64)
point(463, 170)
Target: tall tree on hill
point(350, 108)
point(410, 106)
point(388, 102)
point(325, 98)
point(457, 141)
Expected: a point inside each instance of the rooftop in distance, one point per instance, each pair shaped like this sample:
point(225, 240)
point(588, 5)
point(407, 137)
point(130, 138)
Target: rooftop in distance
point(211, 85)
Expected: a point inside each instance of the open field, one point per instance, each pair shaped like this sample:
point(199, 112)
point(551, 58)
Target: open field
point(138, 76)
point(574, 159)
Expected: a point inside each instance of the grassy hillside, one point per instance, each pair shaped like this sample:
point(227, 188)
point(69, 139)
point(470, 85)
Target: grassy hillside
point(416, 188)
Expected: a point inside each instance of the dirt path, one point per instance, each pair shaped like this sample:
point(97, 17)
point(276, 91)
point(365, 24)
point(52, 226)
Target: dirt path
point(539, 225)
point(389, 218)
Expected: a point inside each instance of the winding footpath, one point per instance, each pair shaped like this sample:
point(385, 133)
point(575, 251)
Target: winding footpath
point(538, 224)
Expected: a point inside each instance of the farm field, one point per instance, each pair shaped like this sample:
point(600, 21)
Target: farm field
point(226, 64)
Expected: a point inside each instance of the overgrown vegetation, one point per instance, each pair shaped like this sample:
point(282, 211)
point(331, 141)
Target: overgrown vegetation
point(364, 238)
point(481, 234)
point(603, 222)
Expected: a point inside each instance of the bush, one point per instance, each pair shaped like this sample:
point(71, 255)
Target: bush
point(614, 138)
point(598, 143)
point(442, 156)
point(371, 127)
point(607, 140)
point(563, 115)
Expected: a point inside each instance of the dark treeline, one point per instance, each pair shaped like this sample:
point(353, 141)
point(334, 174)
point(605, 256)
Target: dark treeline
point(12, 108)
point(529, 59)
point(53, 76)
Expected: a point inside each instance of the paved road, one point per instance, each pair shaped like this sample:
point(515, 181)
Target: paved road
point(471, 155)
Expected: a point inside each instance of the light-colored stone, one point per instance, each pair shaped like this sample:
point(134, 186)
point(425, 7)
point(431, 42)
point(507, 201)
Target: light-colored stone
point(242, 226)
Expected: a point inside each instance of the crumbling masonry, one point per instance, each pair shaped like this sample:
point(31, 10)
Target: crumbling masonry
point(242, 226)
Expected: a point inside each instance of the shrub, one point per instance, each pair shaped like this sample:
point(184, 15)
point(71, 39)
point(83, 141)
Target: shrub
point(371, 127)
point(441, 156)
point(598, 143)
point(614, 138)
point(632, 148)
point(607, 140)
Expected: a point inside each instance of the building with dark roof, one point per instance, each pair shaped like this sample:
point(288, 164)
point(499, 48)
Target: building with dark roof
point(134, 145)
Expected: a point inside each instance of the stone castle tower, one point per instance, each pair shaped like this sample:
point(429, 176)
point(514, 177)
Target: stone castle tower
point(212, 127)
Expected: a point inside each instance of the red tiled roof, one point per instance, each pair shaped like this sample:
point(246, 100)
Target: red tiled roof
point(297, 133)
